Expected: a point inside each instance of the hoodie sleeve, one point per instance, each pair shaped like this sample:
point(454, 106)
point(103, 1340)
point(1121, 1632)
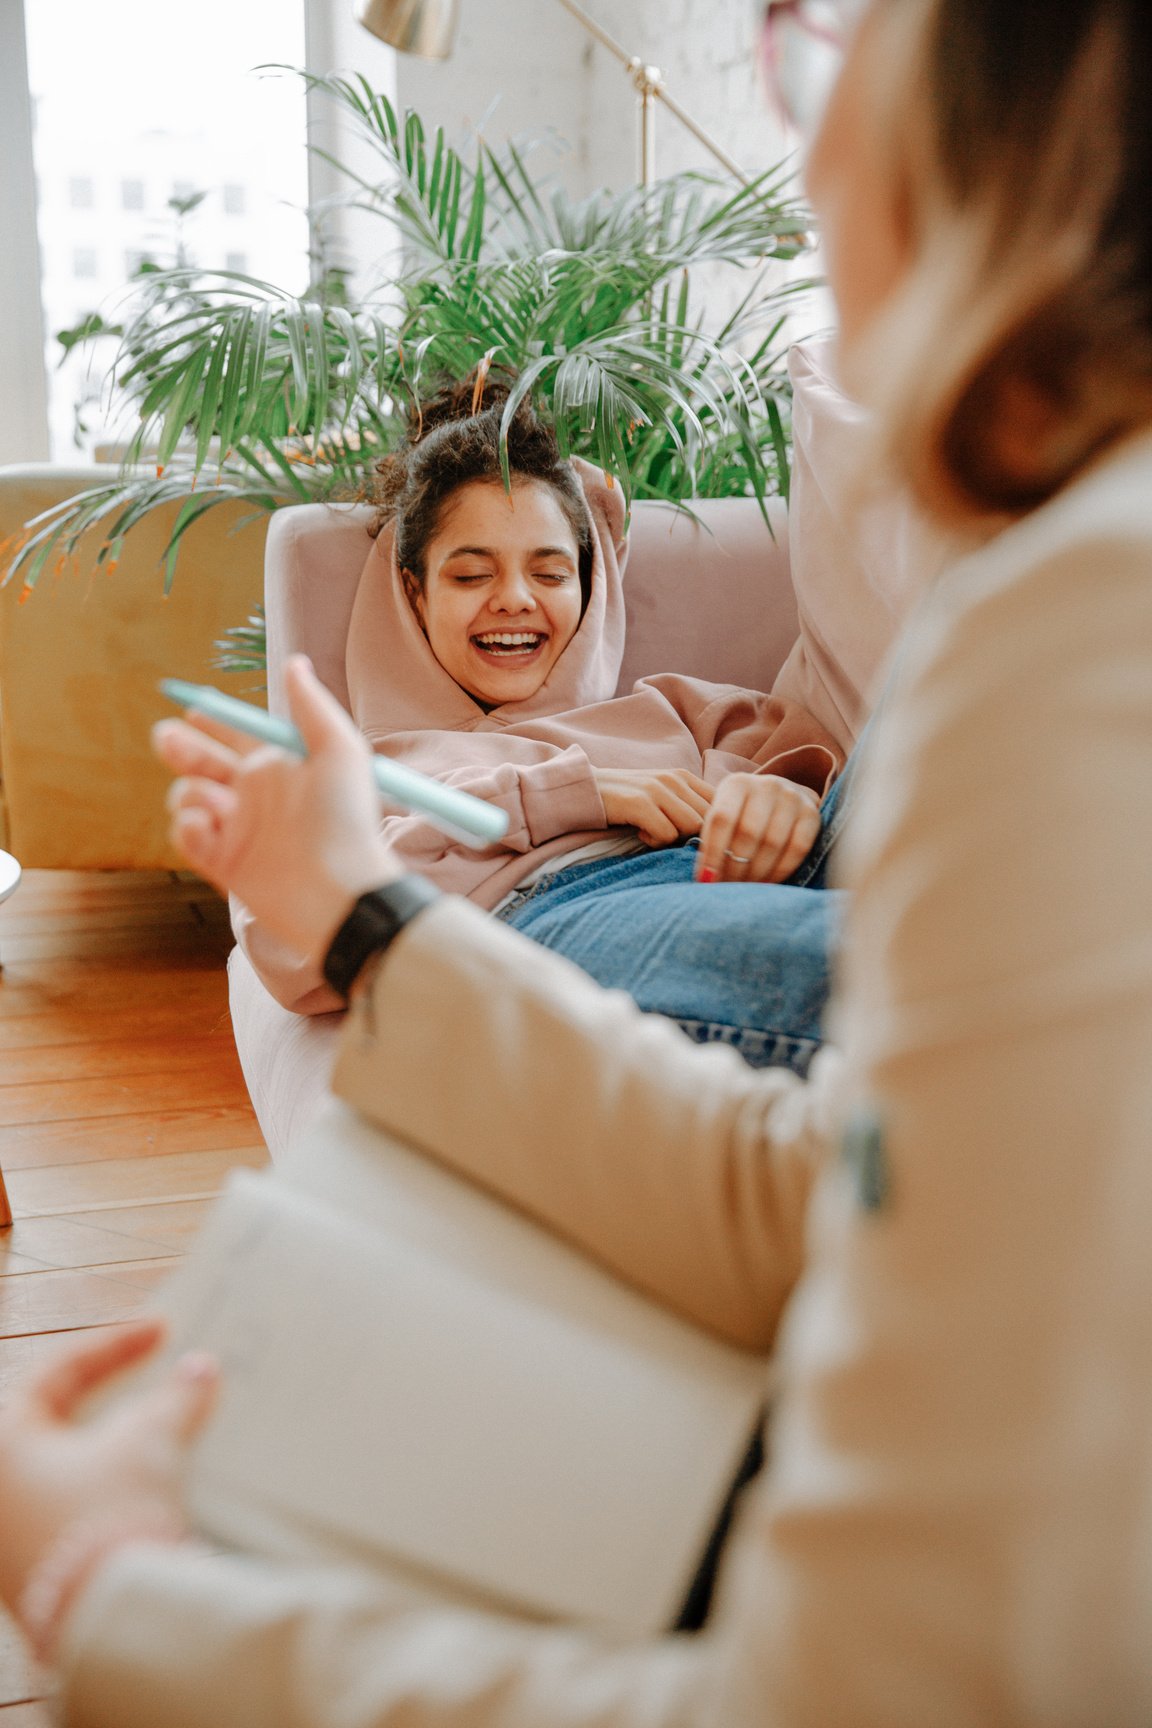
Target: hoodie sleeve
point(294, 982)
point(543, 800)
point(740, 730)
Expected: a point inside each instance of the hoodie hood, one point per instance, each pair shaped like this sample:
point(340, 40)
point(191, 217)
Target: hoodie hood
point(396, 684)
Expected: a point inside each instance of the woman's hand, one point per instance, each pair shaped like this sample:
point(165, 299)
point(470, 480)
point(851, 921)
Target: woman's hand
point(122, 1468)
point(663, 807)
point(295, 838)
point(759, 829)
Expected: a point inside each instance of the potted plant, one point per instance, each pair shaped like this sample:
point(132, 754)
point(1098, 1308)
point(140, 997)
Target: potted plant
point(243, 391)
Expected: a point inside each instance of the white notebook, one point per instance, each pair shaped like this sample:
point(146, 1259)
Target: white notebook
point(418, 1376)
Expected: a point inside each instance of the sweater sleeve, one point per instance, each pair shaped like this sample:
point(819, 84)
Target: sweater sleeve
point(295, 982)
point(543, 800)
point(191, 1640)
point(741, 730)
point(678, 1166)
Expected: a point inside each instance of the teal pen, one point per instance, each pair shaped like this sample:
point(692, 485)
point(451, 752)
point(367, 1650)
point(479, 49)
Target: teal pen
point(457, 814)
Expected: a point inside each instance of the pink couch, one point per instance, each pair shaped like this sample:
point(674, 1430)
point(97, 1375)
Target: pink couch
point(806, 604)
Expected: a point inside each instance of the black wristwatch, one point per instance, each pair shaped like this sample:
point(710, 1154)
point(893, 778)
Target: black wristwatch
point(375, 921)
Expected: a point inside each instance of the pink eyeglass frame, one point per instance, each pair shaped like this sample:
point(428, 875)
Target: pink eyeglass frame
point(771, 48)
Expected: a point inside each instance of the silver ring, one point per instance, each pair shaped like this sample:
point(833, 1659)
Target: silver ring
point(736, 858)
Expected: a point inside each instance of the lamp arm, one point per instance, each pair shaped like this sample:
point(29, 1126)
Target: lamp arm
point(606, 41)
point(699, 133)
point(650, 84)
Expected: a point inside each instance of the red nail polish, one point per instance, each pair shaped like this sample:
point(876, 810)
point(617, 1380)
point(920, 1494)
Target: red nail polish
point(705, 875)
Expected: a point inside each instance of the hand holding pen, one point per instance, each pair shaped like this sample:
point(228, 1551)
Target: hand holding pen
point(296, 838)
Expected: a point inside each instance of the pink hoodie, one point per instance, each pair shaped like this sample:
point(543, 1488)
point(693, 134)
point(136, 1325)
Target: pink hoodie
point(536, 759)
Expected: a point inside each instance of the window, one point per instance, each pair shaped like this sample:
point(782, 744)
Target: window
point(159, 136)
point(237, 261)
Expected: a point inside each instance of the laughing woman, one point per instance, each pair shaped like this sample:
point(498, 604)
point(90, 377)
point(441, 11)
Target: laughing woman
point(670, 841)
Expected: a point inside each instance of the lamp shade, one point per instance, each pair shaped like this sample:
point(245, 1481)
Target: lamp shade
point(426, 27)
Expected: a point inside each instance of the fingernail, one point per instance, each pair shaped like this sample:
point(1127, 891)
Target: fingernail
point(197, 1366)
point(704, 874)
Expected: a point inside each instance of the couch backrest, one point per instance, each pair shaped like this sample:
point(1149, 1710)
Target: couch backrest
point(711, 597)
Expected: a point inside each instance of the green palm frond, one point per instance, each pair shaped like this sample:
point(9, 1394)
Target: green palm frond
point(242, 391)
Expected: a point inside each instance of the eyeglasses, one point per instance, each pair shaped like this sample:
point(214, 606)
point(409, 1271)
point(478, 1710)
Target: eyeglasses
point(801, 50)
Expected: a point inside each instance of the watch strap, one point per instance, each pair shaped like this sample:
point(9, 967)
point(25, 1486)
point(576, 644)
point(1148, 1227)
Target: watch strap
point(372, 925)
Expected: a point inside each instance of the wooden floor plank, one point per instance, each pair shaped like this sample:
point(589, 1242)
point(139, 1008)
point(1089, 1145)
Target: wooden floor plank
point(63, 1189)
point(77, 911)
point(212, 1083)
point(122, 1111)
point(140, 980)
point(63, 1301)
point(102, 1238)
point(122, 1058)
point(171, 941)
point(113, 1023)
point(146, 1134)
point(101, 890)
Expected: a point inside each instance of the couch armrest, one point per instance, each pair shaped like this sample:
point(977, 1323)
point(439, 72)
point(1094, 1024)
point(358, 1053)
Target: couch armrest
point(80, 660)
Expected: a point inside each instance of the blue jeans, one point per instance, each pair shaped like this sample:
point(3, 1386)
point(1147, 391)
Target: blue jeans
point(745, 963)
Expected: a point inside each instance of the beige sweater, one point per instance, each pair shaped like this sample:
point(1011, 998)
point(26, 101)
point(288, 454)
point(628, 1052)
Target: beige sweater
point(956, 1526)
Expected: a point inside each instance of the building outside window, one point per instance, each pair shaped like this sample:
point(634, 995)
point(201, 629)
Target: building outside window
point(107, 170)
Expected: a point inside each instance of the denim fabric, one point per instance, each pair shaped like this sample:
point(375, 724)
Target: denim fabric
point(813, 872)
point(743, 963)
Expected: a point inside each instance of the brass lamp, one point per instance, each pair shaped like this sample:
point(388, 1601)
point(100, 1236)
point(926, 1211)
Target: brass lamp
point(428, 27)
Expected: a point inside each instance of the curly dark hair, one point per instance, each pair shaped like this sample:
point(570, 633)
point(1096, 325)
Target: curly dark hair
point(454, 441)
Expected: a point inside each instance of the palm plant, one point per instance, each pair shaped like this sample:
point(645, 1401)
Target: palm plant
point(243, 391)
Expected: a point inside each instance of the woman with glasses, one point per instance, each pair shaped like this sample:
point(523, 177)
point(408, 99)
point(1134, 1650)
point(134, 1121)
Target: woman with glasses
point(955, 1523)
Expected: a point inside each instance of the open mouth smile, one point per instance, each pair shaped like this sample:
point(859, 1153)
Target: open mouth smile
point(517, 646)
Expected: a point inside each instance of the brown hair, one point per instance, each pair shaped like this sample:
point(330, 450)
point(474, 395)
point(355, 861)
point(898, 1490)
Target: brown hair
point(1024, 331)
point(454, 441)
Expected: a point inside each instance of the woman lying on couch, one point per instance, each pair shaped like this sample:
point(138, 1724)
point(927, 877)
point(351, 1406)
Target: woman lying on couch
point(664, 840)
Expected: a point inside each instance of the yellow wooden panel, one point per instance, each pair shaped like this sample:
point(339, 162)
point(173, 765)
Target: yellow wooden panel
point(80, 660)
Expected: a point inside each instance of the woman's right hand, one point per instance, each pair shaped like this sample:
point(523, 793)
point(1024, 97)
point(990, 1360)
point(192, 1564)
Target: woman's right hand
point(295, 838)
point(663, 807)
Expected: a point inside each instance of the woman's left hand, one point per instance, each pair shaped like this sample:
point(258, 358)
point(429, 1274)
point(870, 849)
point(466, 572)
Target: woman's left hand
point(122, 1468)
point(760, 828)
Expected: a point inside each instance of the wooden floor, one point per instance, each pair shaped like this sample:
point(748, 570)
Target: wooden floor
point(122, 1107)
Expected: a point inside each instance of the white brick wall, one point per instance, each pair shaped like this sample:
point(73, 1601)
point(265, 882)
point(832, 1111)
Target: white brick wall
point(526, 68)
point(529, 67)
